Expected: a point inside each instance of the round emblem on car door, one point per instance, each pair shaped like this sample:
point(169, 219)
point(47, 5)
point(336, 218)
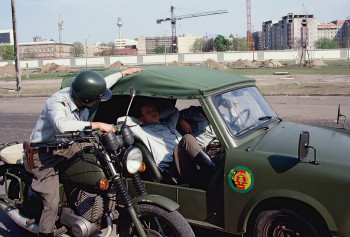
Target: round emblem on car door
point(241, 179)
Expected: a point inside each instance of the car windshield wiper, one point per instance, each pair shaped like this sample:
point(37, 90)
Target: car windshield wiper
point(269, 117)
point(254, 126)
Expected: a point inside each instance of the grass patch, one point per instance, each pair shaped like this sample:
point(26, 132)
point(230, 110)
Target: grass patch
point(332, 68)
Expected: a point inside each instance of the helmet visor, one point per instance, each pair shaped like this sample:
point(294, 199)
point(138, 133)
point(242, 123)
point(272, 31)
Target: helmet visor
point(106, 96)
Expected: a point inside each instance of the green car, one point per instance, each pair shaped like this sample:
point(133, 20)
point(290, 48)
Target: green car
point(276, 178)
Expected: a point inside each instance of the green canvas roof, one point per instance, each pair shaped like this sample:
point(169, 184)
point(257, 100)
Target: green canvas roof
point(180, 82)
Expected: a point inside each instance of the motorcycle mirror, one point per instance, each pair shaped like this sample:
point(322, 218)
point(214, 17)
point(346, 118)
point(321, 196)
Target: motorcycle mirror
point(132, 90)
point(132, 95)
point(303, 148)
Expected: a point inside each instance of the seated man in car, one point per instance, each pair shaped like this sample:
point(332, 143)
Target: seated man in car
point(193, 121)
point(175, 155)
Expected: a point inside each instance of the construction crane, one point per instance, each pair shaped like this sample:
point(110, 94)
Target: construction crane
point(249, 27)
point(174, 18)
point(60, 28)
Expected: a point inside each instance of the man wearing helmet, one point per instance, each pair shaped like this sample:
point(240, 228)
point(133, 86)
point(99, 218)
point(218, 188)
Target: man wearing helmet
point(66, 110)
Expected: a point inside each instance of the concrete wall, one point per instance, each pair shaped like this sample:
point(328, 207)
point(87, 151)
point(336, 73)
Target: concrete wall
point(153, 59)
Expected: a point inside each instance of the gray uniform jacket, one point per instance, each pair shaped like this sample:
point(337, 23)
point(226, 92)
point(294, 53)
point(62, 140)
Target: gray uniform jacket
point(60, 115)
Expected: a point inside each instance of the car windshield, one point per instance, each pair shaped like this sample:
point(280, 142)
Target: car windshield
point(243, 110)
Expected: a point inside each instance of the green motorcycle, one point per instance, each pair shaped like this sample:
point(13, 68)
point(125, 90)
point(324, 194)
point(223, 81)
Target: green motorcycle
point(94, 190)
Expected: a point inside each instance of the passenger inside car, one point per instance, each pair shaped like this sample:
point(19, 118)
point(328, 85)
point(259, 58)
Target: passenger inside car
point(192, 120)
point(177, 157)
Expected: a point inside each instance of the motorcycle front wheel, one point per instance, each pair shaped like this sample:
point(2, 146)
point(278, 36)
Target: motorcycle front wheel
point(157, 222)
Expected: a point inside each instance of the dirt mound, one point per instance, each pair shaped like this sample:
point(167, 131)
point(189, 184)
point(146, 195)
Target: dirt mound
point(318, 63)
point(215, 65)
point(117, 65)
point(245, 64)
point(53, 67)
point(272, 64)
point(9, 70)
point(176, 63)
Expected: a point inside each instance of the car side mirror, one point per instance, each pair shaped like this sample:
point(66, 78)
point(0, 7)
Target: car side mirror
point(303, 148)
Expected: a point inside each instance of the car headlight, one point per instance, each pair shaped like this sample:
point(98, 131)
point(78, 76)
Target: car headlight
point(133, 159)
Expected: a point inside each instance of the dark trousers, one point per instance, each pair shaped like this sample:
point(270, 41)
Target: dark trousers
point(46, 183)
point(184, 154)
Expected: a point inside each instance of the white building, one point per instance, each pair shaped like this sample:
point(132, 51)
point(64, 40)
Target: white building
point(121, 43)
point(185, 43)
point(327, 31)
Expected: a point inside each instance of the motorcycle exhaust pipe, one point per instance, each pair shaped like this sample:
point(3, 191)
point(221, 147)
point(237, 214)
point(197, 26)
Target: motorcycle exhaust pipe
point(19, 219)
point(22, 221)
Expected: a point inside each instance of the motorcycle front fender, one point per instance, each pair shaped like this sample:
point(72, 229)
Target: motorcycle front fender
point(161, 201)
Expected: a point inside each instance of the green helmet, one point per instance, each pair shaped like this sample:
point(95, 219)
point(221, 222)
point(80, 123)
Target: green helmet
point(89, 86)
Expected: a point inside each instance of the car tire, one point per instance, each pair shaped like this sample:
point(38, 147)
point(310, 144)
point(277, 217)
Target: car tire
point(287, 222)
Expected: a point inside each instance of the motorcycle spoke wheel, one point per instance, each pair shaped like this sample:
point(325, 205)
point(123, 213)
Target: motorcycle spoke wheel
point(156, 222)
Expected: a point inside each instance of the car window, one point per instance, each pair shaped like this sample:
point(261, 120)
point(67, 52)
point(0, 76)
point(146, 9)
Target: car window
point(243, 109)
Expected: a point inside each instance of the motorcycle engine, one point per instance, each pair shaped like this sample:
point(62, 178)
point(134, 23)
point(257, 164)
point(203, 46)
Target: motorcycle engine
point(86, 212)
point(93, 206)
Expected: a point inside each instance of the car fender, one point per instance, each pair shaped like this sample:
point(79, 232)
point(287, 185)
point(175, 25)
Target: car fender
point(158, 200)
point(285, 194)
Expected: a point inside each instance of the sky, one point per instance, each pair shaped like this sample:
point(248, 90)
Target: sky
point(94, 21)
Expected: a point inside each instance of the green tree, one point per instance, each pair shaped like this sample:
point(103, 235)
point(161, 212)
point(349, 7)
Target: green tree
point(7, 52)
point(161, 49)
point(240, 44)
point(325, 43)
point(221, 44)
point(77, 49)
point(198, 45)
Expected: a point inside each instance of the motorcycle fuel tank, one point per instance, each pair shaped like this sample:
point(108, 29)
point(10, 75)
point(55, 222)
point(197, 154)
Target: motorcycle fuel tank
point(83, 169)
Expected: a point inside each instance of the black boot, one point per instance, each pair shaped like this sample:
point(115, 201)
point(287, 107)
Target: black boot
point(203, 159)
point(45, 234)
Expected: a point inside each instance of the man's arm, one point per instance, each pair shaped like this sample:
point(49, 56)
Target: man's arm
point(115, 77)
point(169, 117)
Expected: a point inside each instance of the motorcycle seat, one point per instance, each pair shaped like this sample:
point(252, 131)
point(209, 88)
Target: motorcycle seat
point(15, 155)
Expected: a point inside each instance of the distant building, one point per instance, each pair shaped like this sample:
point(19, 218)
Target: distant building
point(45, 49)
point(346, 27)
point(121, 43)
point(185, 43)
point(147, 45)
point(292, 32)
point(258, 40)
point(101, 47)
point(6, 37)
point(328, 31)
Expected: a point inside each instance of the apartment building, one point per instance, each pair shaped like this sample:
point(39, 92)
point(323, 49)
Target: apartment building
point(292, 32)
point(147, 45)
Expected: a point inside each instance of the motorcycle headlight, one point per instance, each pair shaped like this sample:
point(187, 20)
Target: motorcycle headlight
point(133, 159)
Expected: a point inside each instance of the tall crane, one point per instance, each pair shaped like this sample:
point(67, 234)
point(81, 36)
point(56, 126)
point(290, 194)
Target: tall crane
point(174, 18)
point(249, 26)
point(60, 28)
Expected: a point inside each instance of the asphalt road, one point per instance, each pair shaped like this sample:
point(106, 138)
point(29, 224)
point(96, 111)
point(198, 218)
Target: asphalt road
point(18, 117)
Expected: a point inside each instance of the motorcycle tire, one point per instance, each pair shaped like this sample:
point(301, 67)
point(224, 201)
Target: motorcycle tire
point(156, 222)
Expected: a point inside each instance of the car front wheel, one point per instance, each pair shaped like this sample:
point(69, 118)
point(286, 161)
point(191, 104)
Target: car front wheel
point(286, 222)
